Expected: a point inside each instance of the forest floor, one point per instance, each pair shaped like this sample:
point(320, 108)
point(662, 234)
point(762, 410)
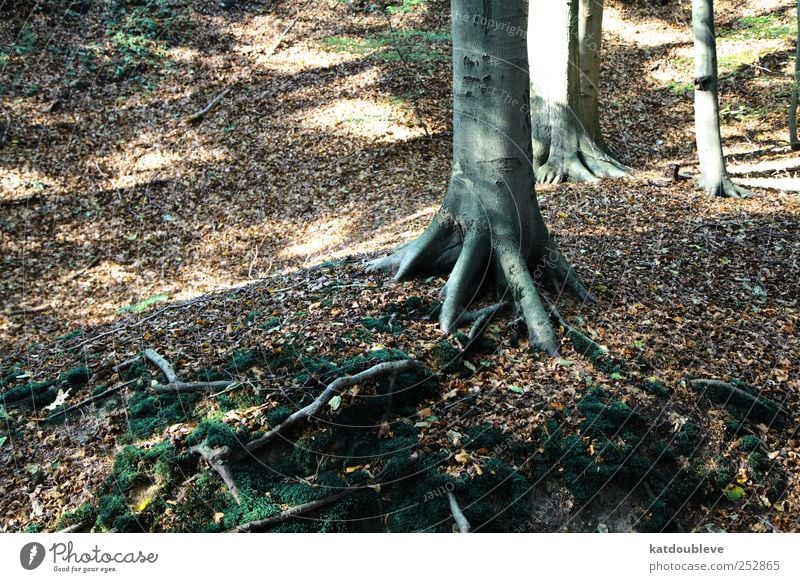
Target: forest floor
point(234, 247)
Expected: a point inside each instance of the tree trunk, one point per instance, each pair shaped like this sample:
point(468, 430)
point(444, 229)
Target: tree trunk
point(489, 231)
point(562, 147)
point(795, 87)
point(590, 37)
point(713, 175)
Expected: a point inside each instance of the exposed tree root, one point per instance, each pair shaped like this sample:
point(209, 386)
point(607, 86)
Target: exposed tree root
point(584, 164)
point(725, 188)
point(475, 260)
point(458, 515)
point(728, 393)
point(298, 510)
point(222, 455)
point(212, 457)
point(162, 364)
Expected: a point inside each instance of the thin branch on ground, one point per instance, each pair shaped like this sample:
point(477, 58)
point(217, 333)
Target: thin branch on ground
point(163, 365)
point(188, 387)
point(91, 399)
point(304, 508)
point(293, 512)
point(458, 515)
point(199, 115)
point(127, 363)
point(72, 528)
point(313, 409)
point(29, 310)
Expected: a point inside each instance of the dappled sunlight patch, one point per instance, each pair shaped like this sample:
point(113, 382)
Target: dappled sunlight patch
point(363, 118)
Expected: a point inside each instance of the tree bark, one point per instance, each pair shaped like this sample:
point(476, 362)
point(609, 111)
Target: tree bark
point(590, 37)
point(795, 87)
point(563, 148)
point(489, 231)
point(714, 177)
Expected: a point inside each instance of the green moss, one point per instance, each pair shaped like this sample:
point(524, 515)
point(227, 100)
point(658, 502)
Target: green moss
point(447, 357)
point(384, 324)
point(242, 360)
point(767, 26)
point(654, 387)
point(271, 323)
point(484, 437)
point(76, 377)
point(748, 443)
point(149, 413)
point(9, 375)
point(216, 434)
point(84, 514)
point(134, 465)
point(113, 513)
point(70, 336)
point(38, 393)
point(688, 439)
point(98, 390)
point(755, 408)
point(283, 360)
point(33, 528)
point(278, 415)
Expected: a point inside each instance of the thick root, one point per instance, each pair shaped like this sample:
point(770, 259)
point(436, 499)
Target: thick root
point(725, 188)
point(482, 261)
point(582, 161)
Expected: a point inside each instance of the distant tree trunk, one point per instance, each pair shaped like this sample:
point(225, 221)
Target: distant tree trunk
point(795, 87)
point(713, 175)
point(590, 37)
point(489, 231)
point(563, 148)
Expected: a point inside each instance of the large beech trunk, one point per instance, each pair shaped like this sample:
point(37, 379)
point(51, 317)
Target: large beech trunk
point(563, 147)
point(489, 231)
point(713, 175)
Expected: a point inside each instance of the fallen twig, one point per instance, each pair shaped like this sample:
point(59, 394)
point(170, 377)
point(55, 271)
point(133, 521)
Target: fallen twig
point(93, 398)
point(72, 528)
point(294, 511)
point(198, 115)
point(163, 365)
point(29, 310)
point(335, 387)
point(458, 515)
point(127, 363)
point(186, 387)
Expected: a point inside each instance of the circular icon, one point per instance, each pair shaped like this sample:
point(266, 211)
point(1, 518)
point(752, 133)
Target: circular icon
point(31, 555)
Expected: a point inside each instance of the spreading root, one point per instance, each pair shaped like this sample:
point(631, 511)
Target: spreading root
point(584, 163)
point(725, 188)
point(475, 261)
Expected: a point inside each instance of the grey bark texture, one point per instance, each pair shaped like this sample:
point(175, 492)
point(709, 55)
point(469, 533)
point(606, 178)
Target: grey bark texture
point(714, 177)
point(563, 149)
point(590, 40)
point(795, 87)
point(489, 231)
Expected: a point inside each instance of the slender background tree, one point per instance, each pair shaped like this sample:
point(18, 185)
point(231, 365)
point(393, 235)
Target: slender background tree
point(714, 177)
point(565, 144)
point(795, 85)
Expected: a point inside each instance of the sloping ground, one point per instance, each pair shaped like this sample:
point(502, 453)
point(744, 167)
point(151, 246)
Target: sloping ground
point(317, 152)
